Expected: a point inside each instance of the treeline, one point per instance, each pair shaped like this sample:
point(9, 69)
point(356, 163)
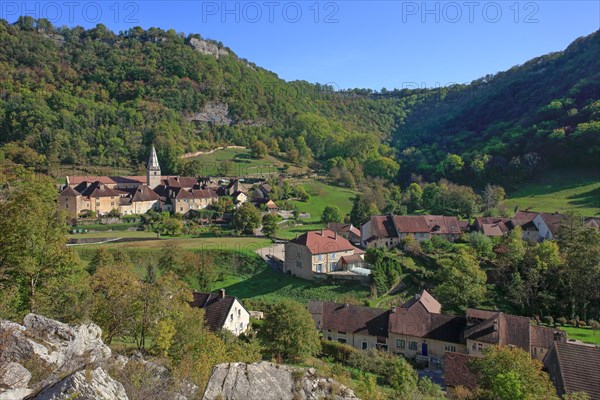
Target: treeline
point(77, 96)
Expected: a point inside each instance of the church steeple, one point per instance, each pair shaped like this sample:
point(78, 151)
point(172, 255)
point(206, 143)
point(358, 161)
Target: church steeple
point(153, 174)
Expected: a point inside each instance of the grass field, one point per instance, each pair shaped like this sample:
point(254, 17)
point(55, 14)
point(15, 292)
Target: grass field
point(561, 191)
point(241, 244)
point(585, 334)
point(323, 195)
point(271, 286)
point(243, 163)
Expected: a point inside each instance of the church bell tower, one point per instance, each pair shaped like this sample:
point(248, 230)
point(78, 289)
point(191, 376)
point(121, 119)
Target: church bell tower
point(153, 175)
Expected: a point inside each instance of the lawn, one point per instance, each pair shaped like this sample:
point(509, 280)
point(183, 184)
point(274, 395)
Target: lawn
point(236, 243)
point(585, 334)
point(323, 195)
point(270, 286)
point(113, 234)
point(561, 191)
point(243, 163)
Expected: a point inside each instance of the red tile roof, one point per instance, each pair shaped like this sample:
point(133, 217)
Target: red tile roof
point(324, 241)
point(69, 192)
point(500, 328)
point(427, 301)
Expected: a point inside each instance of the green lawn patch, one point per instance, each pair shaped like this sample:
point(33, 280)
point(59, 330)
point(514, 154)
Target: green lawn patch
point(561, 191)
point(584, 333)
point(270, 286)
point(323, 195)
point(243, 164)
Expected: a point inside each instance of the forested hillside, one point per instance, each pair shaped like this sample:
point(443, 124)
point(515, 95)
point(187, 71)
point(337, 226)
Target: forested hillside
point(93, 97)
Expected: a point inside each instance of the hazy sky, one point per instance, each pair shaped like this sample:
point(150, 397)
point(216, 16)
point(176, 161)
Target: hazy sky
point(350, 44)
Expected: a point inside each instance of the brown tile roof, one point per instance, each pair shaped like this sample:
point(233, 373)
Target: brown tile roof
point(417, 321)
point(382, 226)
point(179, 181)
point(543, 336)
point(593, 222)
point(411, 224)
point(354, 259)
point(144, 193)
point(490, 226)
point(574, 368)
point(350, 318)
point(216, 308)
point(427, 301)
point(343, 228)
point(69, 192)
point(324, 241)
point(97, 190)
point(107, 180)
point(443, 224)
point(457, 371)
point(503, 329)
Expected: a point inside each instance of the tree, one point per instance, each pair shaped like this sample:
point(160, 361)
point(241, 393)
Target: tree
point(382, 167)
point(493, 196)
point(259, 149)
point(289, 331)
point(224, 168)
point(246, 219)
point(270, 224)
point(102, 258)
point(117, 303)
point(509, 373)
point(332, 214)
point(413, 197)
point(462, 281)
point(361, 211)
point(33, 241)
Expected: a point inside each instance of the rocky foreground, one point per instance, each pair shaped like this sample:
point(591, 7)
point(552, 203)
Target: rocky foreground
point(44, 359)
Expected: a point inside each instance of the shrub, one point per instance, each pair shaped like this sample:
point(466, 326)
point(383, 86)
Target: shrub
point(549, 320)
point(581, 323)
point(561, 320)
point(595, 325)
point(338, 351)
point(571, 322)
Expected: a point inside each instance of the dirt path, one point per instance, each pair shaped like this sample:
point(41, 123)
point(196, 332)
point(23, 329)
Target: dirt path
point(200, 153)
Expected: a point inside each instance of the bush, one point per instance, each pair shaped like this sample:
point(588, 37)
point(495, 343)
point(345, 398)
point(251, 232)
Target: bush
point(338, 351)
point(581, 323)
point(561, 320)
point(549, 320)
point(571, 322)
point(595, 325)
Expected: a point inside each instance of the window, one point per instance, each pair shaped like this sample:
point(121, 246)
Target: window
point(401, 343)
point(320, 257)
point(474, 346)
point(239, 313)
point(329, 338)
point(332, 266)
point(479, 347)
point(342, 332)
point(333, 256)
point(241, 326)
point(412, 345)
point(319, 268)
point(450, 347)
point(231, 317)
point(298, 264)
point(365, 345)
point(342, 340)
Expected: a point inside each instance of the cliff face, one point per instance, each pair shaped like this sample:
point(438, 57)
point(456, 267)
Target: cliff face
point(268, 381)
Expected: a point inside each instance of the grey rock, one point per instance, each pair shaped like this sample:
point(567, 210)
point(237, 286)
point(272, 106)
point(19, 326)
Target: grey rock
point(84, 385)
point(213, 112)
point(268, 381)
point(14, 376)
point(14, 394)
point(208, 48)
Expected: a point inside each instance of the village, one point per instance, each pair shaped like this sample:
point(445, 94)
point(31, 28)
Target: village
point(439, 344)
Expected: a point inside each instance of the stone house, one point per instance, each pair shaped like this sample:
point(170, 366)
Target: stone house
point(317, 253)
point(388, 230)
point(360, 327)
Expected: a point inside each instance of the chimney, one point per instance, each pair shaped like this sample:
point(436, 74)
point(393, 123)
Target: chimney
point(322, 232)
point(334, 235)
point(222, 293)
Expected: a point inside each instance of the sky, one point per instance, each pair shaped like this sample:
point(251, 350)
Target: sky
point(352, 44)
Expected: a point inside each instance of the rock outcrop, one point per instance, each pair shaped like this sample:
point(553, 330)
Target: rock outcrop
point(208, 48)
point(268, 381)
point(214, 113)
point(84, 385)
